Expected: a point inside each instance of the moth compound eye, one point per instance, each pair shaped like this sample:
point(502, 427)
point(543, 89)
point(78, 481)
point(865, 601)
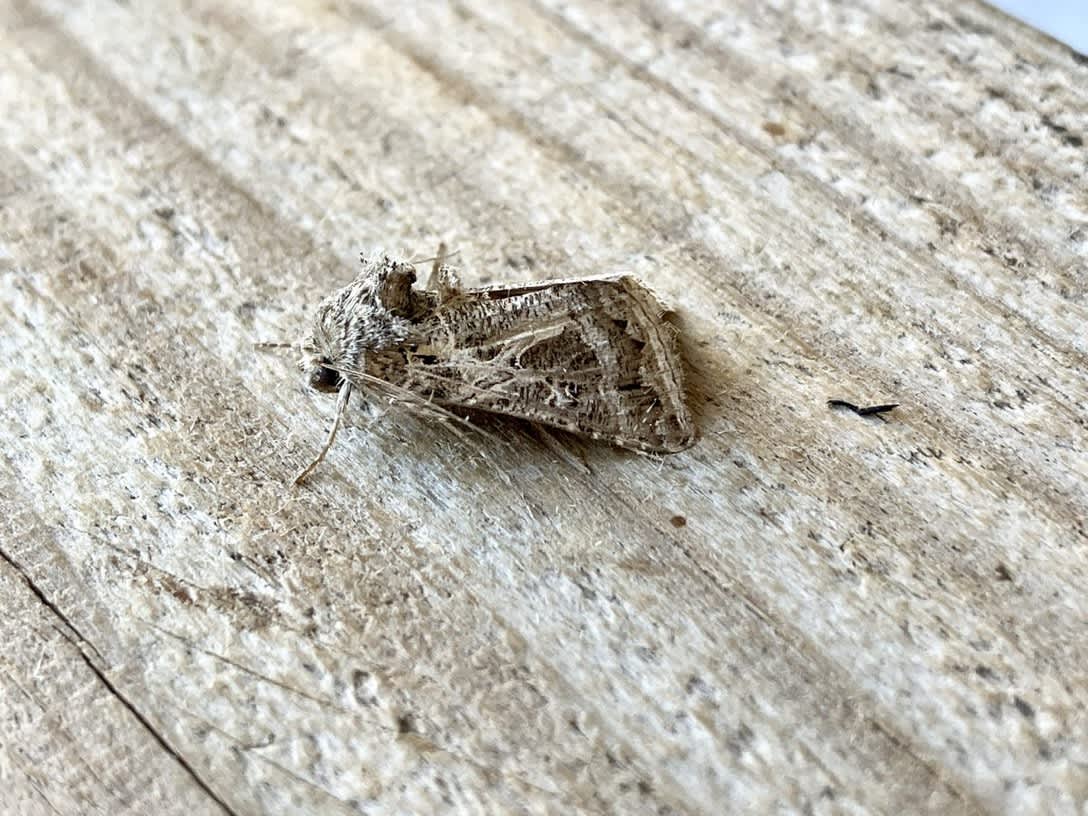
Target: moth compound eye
point(324, 379)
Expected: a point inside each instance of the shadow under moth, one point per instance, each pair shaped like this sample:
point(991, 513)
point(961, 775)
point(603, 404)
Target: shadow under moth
point(593, 356)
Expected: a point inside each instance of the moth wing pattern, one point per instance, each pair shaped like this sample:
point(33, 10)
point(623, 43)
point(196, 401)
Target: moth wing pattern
point(594, 356)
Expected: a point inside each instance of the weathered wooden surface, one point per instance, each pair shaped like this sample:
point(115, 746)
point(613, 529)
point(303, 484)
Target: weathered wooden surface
point(807, 612)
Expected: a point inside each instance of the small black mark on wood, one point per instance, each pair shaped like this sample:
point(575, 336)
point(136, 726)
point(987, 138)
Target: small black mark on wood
point(1024, 707)
point(1062, 132)
point(862, 410)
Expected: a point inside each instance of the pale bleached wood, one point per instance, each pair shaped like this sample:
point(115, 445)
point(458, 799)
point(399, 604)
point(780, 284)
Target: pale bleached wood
point(808, 612)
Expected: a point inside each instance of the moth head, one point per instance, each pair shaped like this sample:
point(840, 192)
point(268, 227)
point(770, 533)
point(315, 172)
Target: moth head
point(349, 325)
point(329, 356)
point(329, 350)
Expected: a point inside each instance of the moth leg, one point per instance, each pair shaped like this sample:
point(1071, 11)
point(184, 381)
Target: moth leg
point(443, 280)
point(341, 405)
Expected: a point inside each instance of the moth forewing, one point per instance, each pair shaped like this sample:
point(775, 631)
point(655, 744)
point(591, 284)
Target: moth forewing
point(593, 356)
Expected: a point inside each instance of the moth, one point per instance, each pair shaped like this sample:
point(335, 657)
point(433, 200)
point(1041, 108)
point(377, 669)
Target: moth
point(594, 356)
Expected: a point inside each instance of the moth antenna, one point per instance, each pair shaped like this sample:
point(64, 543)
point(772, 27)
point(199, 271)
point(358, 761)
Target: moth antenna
point(439, 259)
point(341, 405)
point(443, 280)
point(274, 345)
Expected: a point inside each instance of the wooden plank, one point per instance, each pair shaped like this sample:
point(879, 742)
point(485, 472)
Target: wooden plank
point(809, 610)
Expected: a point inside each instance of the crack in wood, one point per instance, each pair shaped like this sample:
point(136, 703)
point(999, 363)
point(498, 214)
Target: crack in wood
point(82, 644)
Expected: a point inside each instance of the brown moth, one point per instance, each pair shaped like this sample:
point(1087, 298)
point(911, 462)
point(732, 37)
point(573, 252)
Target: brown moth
point(589, 355)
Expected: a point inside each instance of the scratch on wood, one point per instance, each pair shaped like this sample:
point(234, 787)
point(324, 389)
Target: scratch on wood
point(82, 644)
point(48, 604)
point(156, 734)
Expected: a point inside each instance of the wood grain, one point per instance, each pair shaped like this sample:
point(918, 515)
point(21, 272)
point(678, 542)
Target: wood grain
point(809, 611)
